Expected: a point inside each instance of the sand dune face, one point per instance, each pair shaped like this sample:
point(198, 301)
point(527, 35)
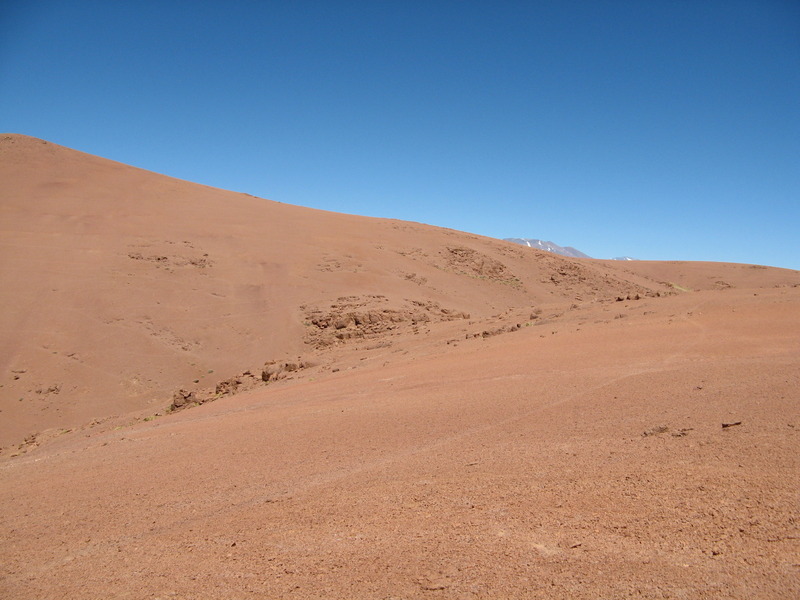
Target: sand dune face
point(389, 410)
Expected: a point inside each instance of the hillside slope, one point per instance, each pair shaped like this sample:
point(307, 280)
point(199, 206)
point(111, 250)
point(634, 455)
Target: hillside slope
point(400, 410)
point(120, 286)
point(587, 457)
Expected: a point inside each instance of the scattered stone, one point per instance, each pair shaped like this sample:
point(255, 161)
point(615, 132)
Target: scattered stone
point(659, 429)
point(275, 370)
point(682, 432)
point(53, 389)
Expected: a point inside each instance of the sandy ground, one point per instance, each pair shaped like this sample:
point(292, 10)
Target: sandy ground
point(443, 416)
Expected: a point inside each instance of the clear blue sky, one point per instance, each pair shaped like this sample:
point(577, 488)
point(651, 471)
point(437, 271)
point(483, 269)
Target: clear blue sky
point(657, 129)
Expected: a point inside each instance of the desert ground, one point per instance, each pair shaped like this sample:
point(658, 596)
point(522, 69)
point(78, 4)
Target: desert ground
point(204, 394)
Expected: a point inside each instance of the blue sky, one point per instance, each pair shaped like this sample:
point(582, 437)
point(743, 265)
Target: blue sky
point(656, 129)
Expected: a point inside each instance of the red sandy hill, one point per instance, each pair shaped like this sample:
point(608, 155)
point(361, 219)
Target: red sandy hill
point(398, 410)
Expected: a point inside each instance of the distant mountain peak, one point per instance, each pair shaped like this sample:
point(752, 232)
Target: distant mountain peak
point(556, 249)
point(549, 247)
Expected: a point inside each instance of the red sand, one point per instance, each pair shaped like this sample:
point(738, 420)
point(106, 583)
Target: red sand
point(468, 419)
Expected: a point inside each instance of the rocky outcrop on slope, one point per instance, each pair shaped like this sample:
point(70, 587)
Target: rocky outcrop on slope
point(363, 317)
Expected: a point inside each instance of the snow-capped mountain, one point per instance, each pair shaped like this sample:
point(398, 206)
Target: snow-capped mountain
point(555, 248)
point(549, 246)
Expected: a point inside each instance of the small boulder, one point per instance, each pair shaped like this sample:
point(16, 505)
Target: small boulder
point(272, 371)
point(182, 398)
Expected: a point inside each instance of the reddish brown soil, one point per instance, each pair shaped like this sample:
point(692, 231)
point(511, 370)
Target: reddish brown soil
point(388, 410)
